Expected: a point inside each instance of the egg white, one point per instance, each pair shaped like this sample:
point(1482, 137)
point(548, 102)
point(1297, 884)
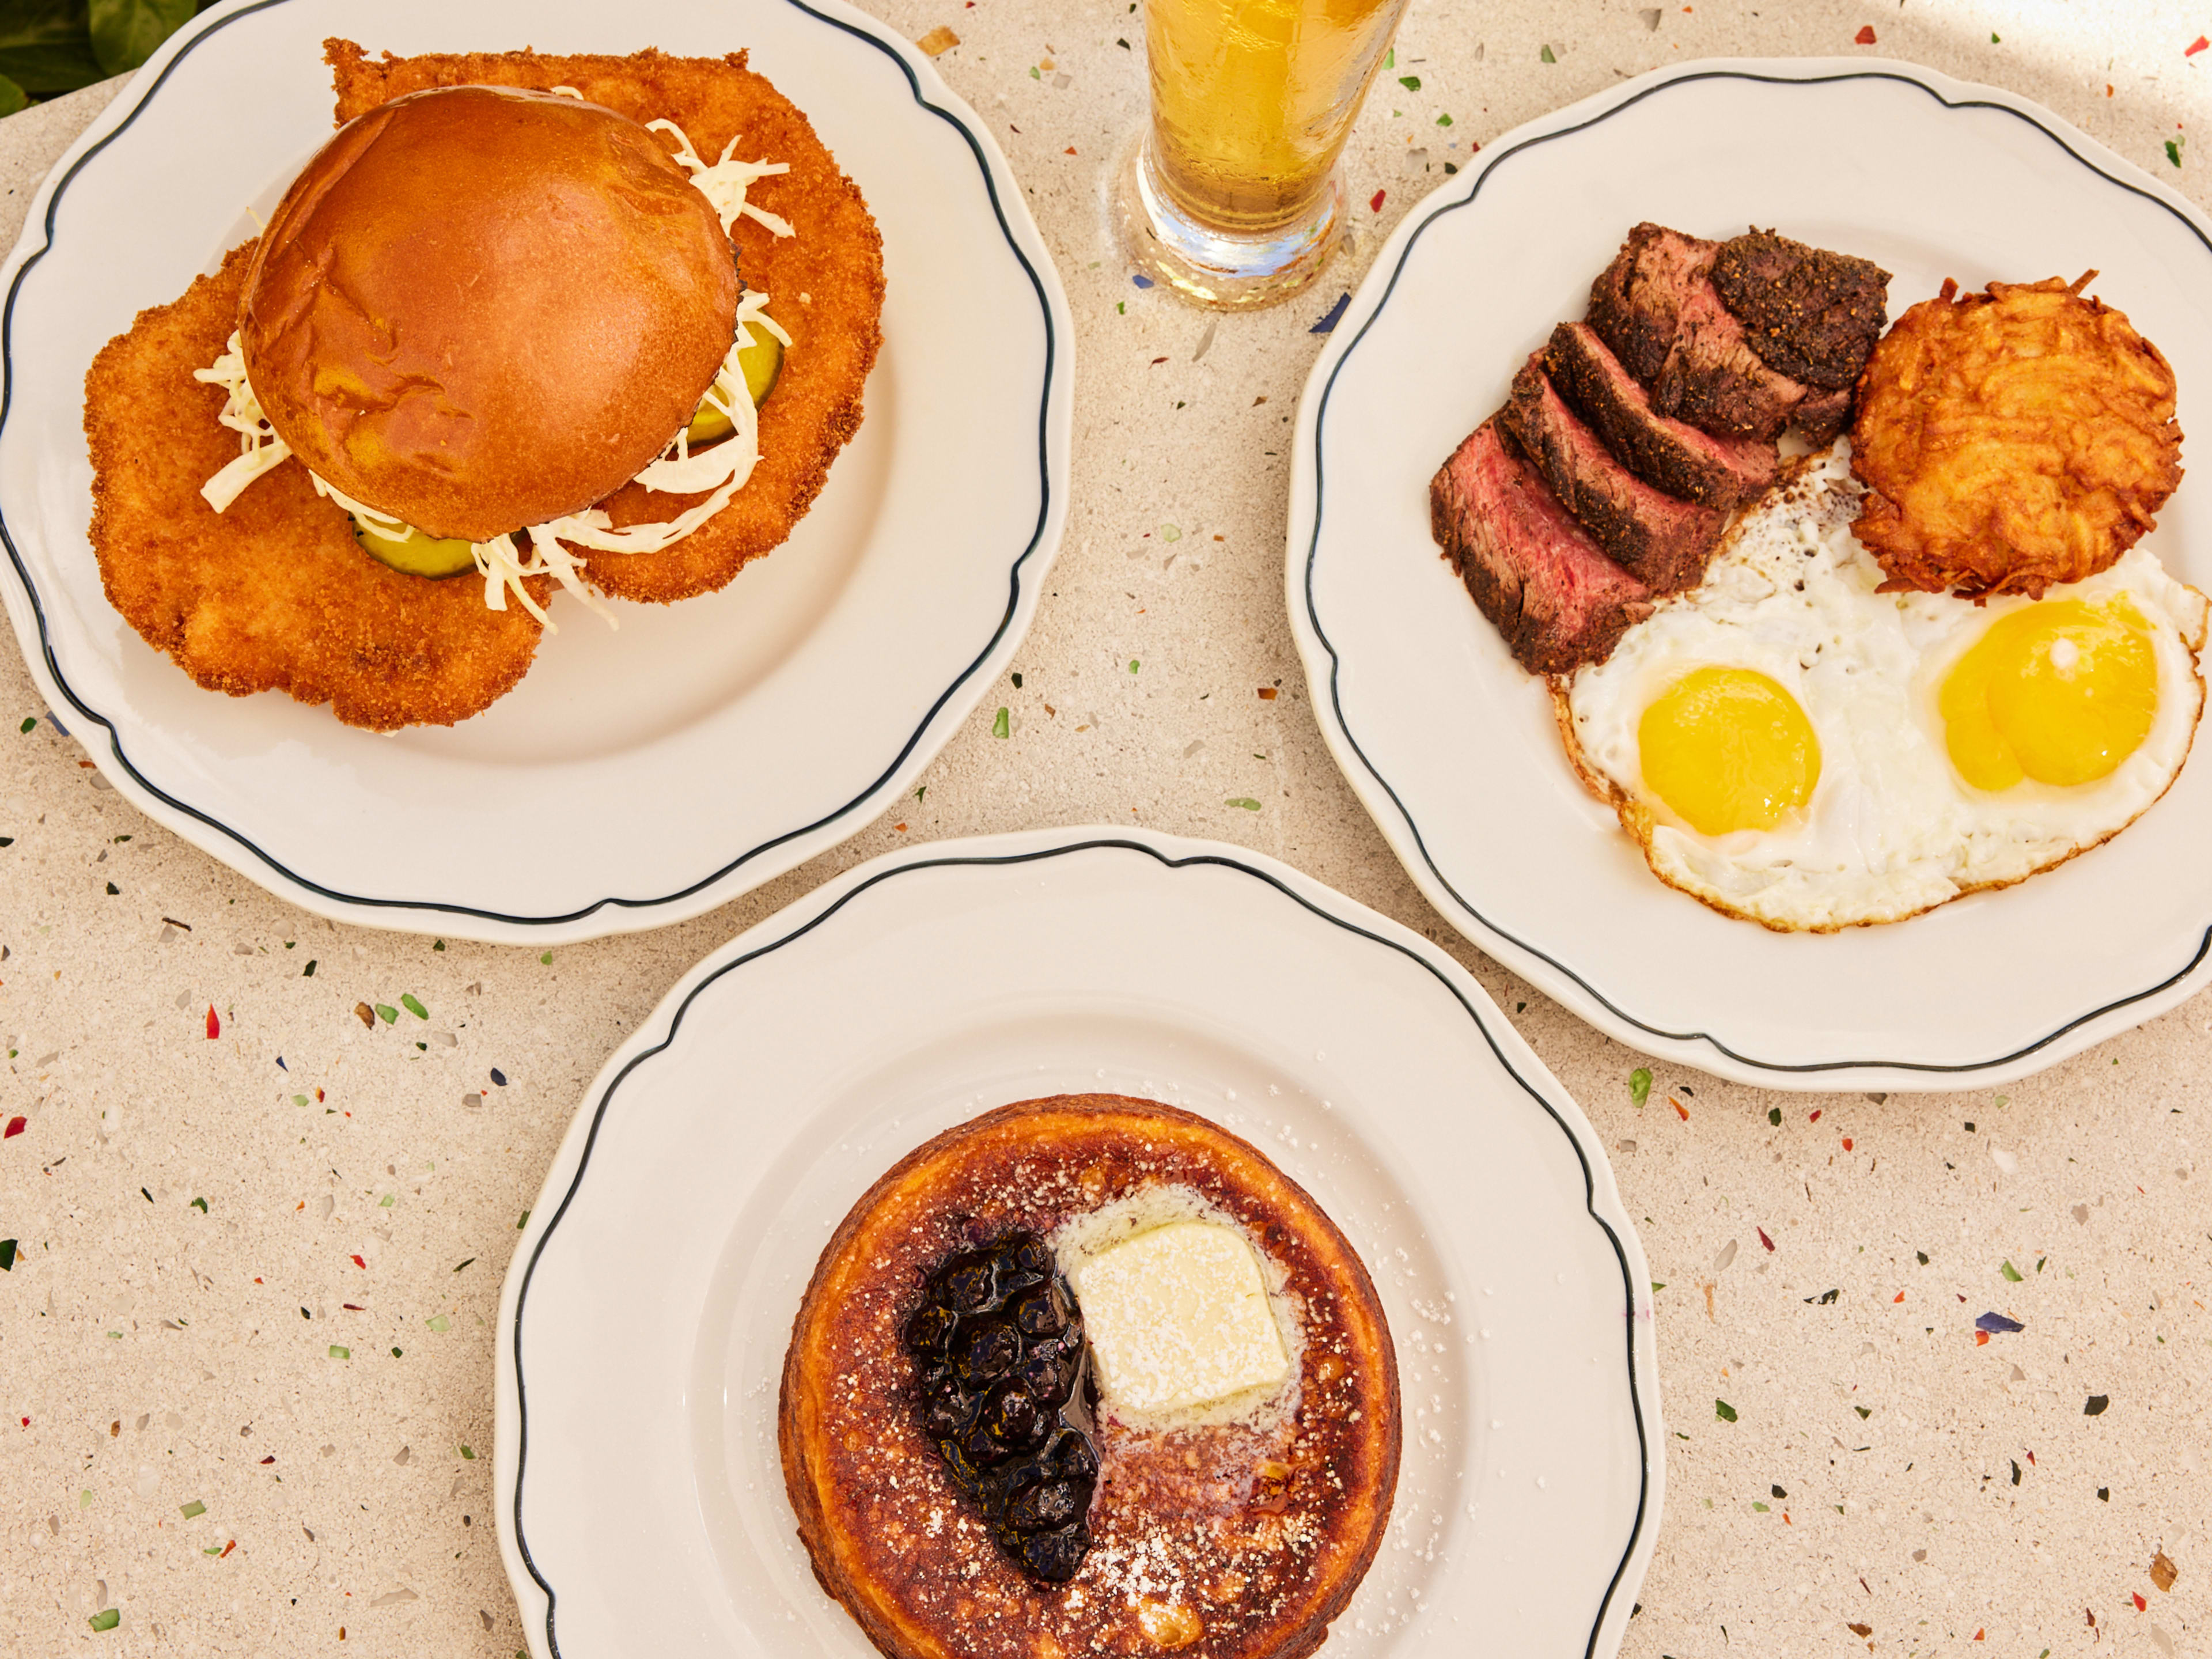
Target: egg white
point(1891, 828)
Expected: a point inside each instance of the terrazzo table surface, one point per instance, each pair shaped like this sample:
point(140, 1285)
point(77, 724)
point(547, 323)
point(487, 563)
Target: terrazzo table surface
point(1884, 1479)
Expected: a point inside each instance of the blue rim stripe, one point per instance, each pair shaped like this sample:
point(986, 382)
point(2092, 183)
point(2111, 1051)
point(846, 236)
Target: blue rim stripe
point(865, 801)
point(999, 860)
point(1336, 702)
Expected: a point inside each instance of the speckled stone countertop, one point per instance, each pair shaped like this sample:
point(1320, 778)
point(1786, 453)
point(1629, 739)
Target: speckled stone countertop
point(197, 1228)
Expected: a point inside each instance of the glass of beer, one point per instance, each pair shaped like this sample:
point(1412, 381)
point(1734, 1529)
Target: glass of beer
point(1230, 195)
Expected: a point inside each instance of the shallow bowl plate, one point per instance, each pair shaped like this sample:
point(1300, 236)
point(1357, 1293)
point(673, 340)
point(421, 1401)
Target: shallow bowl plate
point(645, 1316)
point(636, 777)
point(1452, 747)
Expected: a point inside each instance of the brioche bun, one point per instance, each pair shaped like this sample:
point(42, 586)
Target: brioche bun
point(479, 309)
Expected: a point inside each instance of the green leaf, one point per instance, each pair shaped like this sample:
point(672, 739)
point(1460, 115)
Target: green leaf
point(439, 945)
point(7, 1256)
point(545, 961)
point(1774, 1116)
point(1545, 55)
point(1244, 802)
point(1639, 1086)
point(192, 1509)
point(106, 1619)
point(2009, 1270)
point(200, 1204)
point(125, 32)
point(45, 47)
point(466, 1453)
point(520, 1222)
point(1864, 1411)
point(409, 1003)
point(30, 721)
point(386, 1012)
point(1445, 121)
point(1722, 1410)
point(308, 972)
point(1132, 665)
point(1658, 1283)
point(1390, 59)
point(337, 1353)
point(1001, 727)
point(1761, 1507)
point(13, 98)
point(439, 1322)
point(1410, 82)
point(2174, 151)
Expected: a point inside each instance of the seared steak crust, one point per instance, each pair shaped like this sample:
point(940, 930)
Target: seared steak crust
point(1548, 588)
point(1809, 314)
point(1656, 307)
point(1662, 541)
point(1681, 460)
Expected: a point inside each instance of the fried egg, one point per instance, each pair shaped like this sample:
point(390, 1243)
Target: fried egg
point(1792, 747)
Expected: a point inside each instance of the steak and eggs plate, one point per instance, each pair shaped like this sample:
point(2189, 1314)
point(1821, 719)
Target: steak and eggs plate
point(1844, 686)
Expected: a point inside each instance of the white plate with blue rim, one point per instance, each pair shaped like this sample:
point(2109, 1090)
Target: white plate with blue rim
point(1453, 749)
point(645, 1315)
point(636, 777)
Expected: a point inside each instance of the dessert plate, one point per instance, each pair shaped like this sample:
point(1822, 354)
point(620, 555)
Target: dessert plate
point(1453, 748)
point(635, 777)
point(646, 1313)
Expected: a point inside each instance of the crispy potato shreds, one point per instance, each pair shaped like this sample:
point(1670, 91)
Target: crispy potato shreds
point(2011, 441)
point(824, 282)
point(274, 594)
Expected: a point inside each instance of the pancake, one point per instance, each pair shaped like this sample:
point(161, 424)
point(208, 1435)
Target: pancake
point(824, 282)
point(1238, 1538)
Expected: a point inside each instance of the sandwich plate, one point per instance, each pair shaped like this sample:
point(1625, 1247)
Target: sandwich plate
point(635, 777)
point(1453, 748)
point(645, 1314)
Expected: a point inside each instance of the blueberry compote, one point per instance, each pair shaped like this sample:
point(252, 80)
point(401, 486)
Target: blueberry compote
point(998, 1344)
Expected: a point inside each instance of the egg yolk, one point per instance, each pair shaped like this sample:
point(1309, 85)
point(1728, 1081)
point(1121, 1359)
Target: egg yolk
point(1728, 749)
point(2062, 691)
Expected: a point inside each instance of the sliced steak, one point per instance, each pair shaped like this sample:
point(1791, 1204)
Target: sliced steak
point(1635, 304)
point(1720, 473)
point(1712, 378)
point(1660, 540)
point(1532, 570)
point(1823, 416)
point(1655, 307)
point(1810, 315)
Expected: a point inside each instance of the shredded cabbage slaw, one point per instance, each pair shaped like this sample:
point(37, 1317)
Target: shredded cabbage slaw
point(721, 469)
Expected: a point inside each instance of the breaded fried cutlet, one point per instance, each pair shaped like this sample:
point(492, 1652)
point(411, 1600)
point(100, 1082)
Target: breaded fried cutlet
point(274, 594)
point(824, 282)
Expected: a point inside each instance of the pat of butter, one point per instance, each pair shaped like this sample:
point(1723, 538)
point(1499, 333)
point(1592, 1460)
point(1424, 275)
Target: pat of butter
point(1177, 1317)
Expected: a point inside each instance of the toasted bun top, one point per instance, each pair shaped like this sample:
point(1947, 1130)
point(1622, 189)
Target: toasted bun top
point(478, 308)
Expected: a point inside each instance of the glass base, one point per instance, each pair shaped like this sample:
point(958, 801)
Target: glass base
point(1212, 267)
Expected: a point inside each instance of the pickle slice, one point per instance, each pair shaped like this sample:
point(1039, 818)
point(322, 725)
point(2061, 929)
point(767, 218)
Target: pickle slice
point(760, 362)
point(419, 555)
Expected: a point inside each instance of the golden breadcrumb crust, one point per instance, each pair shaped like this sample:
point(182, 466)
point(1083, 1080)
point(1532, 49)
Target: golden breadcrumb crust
point(825, 282)
point(2011, 441)
point(274, 594)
